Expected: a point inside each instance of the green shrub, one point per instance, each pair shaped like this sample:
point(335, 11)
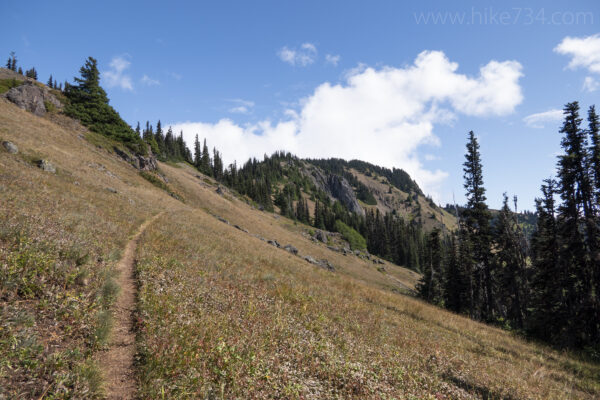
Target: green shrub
point(7, 84)
point(357, 242)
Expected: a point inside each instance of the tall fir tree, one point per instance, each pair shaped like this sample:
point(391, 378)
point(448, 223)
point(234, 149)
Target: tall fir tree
point(477, 232)
point(197, 153)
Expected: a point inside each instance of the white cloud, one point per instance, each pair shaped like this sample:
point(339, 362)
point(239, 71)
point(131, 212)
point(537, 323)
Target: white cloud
point(332, 59)
point(591, 84)
point(537, 120)
point(584, 53)
point(379, 115)
point(241, 106)
point(116, 75)
point(146, 80)
point(305, 55)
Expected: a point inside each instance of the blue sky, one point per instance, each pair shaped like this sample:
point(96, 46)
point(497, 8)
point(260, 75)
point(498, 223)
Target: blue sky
point(369, 80)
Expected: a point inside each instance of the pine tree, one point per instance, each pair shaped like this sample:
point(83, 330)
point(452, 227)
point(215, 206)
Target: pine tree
point(205, 165)
point(137, 130)
point(430, 285)
point(198, 153)
point(50, 82)
point(20, 71)
point(548, 308)
point(88, 103)
point(160, 140)
point(477, 235)
point(9, 63)
point(510, 257)
point(13, 63)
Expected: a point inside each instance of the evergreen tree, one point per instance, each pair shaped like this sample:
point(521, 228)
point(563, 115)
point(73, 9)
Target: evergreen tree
point(547, 298)
point(197, 153)
point(510, 256)
point(89, 104)
point(12, 64)
point(137, 129)
point(430, 285)
point(159, 136)
point(50, 82)
point(205, 165)
point(476, 238)
point(20, 71)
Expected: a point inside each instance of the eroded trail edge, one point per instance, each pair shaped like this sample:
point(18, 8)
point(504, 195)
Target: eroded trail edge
point(117, 362)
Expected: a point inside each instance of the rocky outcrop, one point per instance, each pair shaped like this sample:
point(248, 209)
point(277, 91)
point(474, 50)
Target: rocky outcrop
point(47, 166)
point(336, 187)
point(290, 249)
point(10, 147)
point(320, 236)
point(32, 98)
point(143, 163)
point(341, 190)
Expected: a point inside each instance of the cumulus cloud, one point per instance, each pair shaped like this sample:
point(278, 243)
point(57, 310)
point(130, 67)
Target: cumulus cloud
point(538, 120)
point(332, 59)
point(584, 53)
point(379, 115)
point(146, 80)
point(304, 56)
point(116, 76)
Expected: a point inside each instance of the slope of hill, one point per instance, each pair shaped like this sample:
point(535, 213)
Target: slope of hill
point(221, 311)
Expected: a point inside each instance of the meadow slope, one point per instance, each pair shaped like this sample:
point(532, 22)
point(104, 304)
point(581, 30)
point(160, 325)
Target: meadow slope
point(221, 313)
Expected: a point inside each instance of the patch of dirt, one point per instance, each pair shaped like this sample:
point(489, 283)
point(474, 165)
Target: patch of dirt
point(117, 362)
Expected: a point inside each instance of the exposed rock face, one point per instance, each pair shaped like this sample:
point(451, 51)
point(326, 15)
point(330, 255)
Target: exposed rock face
point(10, 147)
point(341, 190)
point(31, 97)
point(143, 163)
point(45, 165)
point(337, 188)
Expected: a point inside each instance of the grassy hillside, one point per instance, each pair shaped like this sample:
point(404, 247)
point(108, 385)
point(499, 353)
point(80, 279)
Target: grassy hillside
point(221, 313)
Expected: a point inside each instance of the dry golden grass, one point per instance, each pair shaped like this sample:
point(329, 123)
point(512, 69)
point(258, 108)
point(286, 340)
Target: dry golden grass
point(222, 314)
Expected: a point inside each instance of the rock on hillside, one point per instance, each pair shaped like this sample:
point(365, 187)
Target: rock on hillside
point(32, 98)
point(336, 187)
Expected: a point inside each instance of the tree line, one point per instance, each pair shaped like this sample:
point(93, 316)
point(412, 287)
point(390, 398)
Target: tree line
point(547, 287)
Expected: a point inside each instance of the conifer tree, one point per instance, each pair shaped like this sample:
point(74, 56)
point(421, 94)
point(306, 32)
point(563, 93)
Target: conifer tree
point(12, 65)
point(547, 297)
point(510, 257)
point(430, 285)
point(477, 235)
point(198, 153)
point(20, 71)
point(206, 162)
point(160, 140)
point(50, 82)
point(88, 103)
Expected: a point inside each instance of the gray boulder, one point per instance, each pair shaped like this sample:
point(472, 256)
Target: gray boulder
point(291, 249)
point(45, 165)
point(31, 97)
point(112, 190)
point(321, 236)
point(223, 220)
point(10, 147)
point(274, 243)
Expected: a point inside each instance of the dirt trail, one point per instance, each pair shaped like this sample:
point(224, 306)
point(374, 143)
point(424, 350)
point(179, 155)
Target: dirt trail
point(117, 361)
